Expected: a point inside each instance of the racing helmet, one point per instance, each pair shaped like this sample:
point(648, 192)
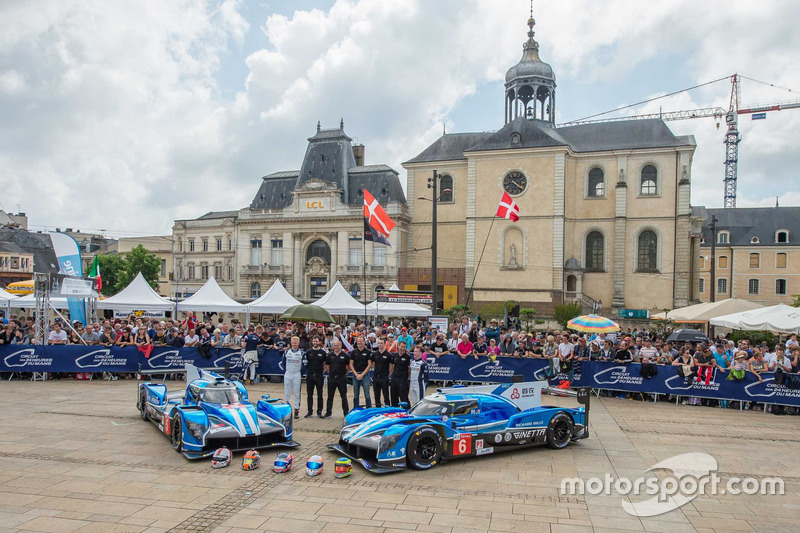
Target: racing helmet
point(251, 460)
point(342, 468)
point(283, 463)
point(221, 458)
point(314, 465)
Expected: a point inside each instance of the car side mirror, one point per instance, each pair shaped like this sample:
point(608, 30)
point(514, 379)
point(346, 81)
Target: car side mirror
point(403, 405)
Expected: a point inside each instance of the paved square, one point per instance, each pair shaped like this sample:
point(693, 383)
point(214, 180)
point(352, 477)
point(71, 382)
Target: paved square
point(75, 456)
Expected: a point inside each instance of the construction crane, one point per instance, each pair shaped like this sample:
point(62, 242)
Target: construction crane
point(731, 115)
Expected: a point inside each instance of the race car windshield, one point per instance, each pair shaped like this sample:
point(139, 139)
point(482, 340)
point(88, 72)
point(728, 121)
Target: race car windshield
point(220, 395)
point(429, 408)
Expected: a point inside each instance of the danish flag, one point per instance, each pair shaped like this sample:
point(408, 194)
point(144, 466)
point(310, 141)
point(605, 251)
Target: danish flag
point(508, 208)
point(376, 216)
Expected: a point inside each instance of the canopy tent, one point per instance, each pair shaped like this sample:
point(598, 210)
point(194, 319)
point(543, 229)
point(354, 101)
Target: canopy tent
point(275, 301)
point(377, 308)
point(29, 302)
point(338, 301)
point(211, 298)
point(6, 300)
point(137, 296)
point(748, 320)
point(706, 311)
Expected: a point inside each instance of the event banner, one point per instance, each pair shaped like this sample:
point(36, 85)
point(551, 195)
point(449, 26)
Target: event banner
point(68, 254)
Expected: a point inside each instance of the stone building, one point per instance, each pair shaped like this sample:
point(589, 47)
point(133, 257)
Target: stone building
point(605, 207)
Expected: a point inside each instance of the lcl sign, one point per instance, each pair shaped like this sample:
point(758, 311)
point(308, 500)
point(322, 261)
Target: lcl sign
point(316, 204)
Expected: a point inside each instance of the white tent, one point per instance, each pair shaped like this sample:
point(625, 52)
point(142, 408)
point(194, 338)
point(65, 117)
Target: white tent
point(6, 301)
point(29, 302)
point(377, 308)
point(276, 300)
point(211, 298)
point(776, 318)
point(706, 311)
point(338, 301)
point(137, 296)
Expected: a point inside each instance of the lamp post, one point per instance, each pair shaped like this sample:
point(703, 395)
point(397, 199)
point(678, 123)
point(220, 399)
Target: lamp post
point(433, 183)
point(713, 288)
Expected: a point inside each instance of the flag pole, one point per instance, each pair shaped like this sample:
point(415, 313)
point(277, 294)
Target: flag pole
point(469, 294)
point(364, 266)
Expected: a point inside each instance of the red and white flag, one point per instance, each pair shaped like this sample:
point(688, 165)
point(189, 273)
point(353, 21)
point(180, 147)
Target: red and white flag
point(508, 208)
point(376, 216)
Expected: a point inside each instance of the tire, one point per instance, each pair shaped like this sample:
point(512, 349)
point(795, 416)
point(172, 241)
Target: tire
point(143, 405)
point(424, 448)
point(176, 435)
point(559, 431)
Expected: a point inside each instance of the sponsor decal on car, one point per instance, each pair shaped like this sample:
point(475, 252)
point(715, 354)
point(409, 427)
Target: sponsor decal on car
point(484, 451)
point(479, 444)
point(498, 438)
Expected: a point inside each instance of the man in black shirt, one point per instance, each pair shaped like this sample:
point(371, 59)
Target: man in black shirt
point(382, 363)
point(623, 355)
point(316, 359)
point(440, 346)
point(360, 365)
point(401, 363)
point(337, 365)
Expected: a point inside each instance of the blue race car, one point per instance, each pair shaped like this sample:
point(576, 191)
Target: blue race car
point(458, 423)
point(213, 412)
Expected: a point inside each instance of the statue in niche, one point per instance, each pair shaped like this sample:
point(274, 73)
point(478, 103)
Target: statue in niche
point(512, 261)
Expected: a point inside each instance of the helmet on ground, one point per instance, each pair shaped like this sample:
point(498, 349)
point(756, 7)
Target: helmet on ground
point(221, 458)
point(343, 467)
point(283, 462)
point(314, 465)
point(251, 460)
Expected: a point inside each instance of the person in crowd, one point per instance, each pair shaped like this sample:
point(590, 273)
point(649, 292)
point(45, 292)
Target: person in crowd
point(507, 346)
point(647, 353)
point(293, 363)
point(757, 363)
point(20, 337)
point(400, 376)
point(360, 365)
point(705, 364)
point(493, 332)
point(250, 347)
point(479, 349)
point(382, 362)
point(566, 352)
point(140, 337)
point(464, 348)
point(174, 338)
point(73, 337)
point(125, 338)
point(316, 358)
point(779, 361)
point(7, 333)
point(281, 342)
point(418, 377)
point(452, 342)
point(464, 327)
point(792, 342)
point(159, 337)
point(439, 347)
point(91, 335)
point(608, 351)
point(405, 338)
point(57, 335)
point(493, 351)
point(338, 364)
point(623, 355)
point(191, 338)
point(595, 352)
point(581, 351)
point(216, 339)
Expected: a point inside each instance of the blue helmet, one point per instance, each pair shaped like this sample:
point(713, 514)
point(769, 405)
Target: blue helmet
point(314, 465)
point(283, 463)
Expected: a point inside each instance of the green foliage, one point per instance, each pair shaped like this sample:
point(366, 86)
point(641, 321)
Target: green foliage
point(527, 314)
point(497, 310)
point(796, 302)
point(457, 311)
point(661, 325)
point(755, 337)
point(539, 321)
point(111, 265)
point(117, 272)
point(565, 313)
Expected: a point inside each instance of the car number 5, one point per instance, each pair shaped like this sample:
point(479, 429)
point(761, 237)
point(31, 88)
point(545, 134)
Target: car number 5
point(462, 444)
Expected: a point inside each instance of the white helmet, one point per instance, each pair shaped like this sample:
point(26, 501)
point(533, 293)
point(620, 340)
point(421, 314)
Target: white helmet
point(221, 458)
point(314, 465)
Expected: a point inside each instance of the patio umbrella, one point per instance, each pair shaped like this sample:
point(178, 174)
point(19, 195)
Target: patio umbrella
point(690, 335)
point(307, 313)
point(593, 324)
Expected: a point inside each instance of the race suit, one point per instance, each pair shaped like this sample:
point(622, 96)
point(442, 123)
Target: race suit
point(419, 380)
point(293, 361)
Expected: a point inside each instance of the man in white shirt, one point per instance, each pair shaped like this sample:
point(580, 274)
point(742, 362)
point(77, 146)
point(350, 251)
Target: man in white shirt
point(57, 335)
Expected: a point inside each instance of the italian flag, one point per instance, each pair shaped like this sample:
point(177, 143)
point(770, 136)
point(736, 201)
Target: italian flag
point(94, 272)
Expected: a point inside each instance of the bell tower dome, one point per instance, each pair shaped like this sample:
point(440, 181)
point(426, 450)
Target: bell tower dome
point(530, 89)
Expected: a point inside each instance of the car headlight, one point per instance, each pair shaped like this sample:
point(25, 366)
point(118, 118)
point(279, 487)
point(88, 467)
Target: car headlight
point(197, 430)
point(388, 442)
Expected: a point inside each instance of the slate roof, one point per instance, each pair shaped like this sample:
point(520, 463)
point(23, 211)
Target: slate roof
point(744, 223)
point(219, 214)
point(275, 191)
point(38, 244)
point(603, 136)
point(328, 157)
point(380, 180)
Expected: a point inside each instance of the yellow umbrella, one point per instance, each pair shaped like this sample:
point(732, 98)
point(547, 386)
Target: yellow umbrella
point(20, 287)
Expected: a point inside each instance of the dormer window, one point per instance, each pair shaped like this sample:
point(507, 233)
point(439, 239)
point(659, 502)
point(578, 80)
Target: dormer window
point(782, 236)
point(516, 138)
point(754, 240)
point(723, 237)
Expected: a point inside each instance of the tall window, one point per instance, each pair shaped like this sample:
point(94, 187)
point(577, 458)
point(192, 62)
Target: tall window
point(594, 251)
point(782, 236)
point(354, 290)
point(255, 252)
point(219, 245)
point(722, 262)
point(205, 245)
point(723, 237)
point(230, 245)
point(204, 272)
point(702, 262)
point(276, 253)
point(319, 248)
point(163, 268)
point(780, 286)
point(752, 286)
point(755, 260)
point(646, 259)
point(355, 252)
point(180, 272)
point(722, 286)
point(180, 245)
point(255, 290)
point(190, 271)
point(597, 183)
point(379, 256)
point(702, 285)
point(780, 260)
point(191, 245)
point(446, 182)
point(218, 271)
point(649, 180)
point(230, 272)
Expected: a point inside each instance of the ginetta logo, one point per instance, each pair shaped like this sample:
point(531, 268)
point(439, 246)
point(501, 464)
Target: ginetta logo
point(515, 394)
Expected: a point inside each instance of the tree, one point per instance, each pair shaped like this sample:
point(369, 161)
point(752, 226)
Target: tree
point(497, 310)
point(796, 302)
point(457, 311)
point(527, 314)
point(565, 313)
point(140, 260)
point(111, 266)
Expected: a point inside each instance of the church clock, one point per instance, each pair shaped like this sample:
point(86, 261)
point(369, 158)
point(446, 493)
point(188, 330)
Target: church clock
point(515, 182)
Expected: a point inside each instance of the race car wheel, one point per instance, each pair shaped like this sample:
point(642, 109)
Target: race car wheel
point(143, 405)
point(177, 433)
point(424, 448)
point(559, 431)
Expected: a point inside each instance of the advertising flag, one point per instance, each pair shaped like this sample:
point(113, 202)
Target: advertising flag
point(68, 255)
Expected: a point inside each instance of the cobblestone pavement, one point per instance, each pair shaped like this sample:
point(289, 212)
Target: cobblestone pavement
point(74, 456)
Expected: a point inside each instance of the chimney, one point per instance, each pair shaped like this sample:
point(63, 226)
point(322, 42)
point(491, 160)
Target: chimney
point(358, 152)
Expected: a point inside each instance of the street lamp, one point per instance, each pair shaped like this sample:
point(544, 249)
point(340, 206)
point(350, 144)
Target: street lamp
point(433, 183)
point(713, 228)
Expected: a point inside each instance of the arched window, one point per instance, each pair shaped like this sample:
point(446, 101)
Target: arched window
point(649, 181)
point(597, 183)
point(378, 288)
point(782, 236)
point(594, 251)
point(723, 237)
point(255, 290)
point(319, 249)
point(646, 258)
point(446, 182)
point(354, 290)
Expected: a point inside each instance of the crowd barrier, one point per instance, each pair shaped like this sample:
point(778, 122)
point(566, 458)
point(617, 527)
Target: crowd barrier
point(597, 375)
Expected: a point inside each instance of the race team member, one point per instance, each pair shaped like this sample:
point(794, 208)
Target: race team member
point(337, 366)
point(250, 345)
point(419, 376)
point(315, 370)
point(293, 362)
point(382, 365)
point(360, 365)
point(401, 363)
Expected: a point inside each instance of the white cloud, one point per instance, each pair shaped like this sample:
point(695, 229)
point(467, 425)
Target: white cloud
point(114, 115)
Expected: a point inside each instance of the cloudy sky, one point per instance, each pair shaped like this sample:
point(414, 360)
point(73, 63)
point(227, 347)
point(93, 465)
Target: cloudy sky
point(125, 115)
